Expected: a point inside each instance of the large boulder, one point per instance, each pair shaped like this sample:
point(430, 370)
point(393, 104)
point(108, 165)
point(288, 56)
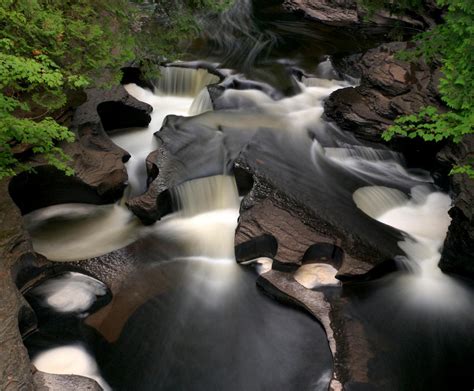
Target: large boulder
point(388, 88)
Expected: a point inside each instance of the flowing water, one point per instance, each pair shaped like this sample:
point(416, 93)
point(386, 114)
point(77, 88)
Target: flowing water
point(189, 317)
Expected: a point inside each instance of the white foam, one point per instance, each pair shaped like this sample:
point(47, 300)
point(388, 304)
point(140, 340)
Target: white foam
point(70, 360)
point(71, 292)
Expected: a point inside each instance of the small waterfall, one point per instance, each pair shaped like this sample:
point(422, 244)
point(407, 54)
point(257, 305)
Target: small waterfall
point(376, 200)
point(204, 225)
point(202, 103)
point(206, 194)
point(180, 81)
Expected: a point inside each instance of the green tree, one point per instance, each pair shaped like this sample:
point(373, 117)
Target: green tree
point(51, 48)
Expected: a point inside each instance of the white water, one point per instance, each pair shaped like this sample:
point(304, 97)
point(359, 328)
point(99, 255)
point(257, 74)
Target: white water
point(71, 292)
point(70, 360)
point(180, 91)
point(424, 218)
point(208, 210)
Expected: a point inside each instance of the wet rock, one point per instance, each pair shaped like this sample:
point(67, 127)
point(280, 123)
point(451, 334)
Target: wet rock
point(388, 88)
point(50, 382)
point(296, 211)
point(457, 255)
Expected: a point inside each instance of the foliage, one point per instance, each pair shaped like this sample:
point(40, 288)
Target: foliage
point(51, 48)
point(47, 50)
point(450, 44)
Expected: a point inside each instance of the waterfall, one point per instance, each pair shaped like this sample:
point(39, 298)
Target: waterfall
point(180, 81)
point(204, 225)
point(206, 194)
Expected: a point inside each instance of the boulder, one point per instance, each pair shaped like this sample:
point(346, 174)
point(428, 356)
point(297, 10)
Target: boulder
point(188, 149)
point(388, 88)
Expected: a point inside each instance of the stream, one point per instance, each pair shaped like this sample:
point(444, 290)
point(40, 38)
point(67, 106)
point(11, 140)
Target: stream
point(188, 317)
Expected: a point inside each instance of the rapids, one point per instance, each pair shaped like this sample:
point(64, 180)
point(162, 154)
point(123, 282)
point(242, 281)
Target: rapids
point(187, 316)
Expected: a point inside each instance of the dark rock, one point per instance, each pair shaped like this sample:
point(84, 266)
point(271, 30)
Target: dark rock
point(132, 73)
point(99, 171)
point(188, 149)
point(346, 336)
point(458, 252)
point(388, 88)
point(299, 211)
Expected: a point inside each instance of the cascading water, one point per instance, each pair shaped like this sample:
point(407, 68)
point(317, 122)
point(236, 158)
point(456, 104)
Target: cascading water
point(179, 91)
point(190, 317)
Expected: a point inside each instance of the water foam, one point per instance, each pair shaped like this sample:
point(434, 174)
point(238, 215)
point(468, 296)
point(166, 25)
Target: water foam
point(70, 292)
point(70, 360)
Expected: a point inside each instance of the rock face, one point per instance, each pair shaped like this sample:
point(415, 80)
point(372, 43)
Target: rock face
point(349, 13)
point(15, 368)
point(100, 174)
point(388, 88)
point(458, 251)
